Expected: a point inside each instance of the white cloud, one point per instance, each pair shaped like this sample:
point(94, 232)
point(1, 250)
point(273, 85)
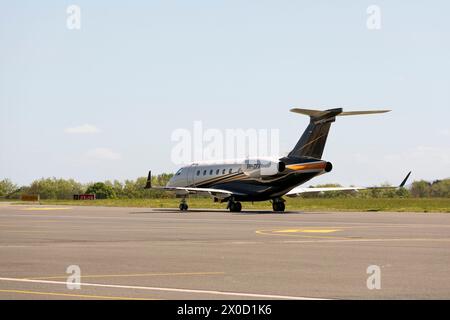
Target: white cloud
point(444, 132)
point(83, 129)
point(103, 154)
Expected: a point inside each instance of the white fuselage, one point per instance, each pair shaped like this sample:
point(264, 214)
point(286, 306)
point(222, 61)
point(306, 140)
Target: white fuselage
point(195, 173)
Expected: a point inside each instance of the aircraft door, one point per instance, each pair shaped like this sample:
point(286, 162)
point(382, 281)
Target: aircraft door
point(191, 175)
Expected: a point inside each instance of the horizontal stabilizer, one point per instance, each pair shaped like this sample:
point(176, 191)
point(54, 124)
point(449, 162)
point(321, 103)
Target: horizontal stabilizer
point(355, 113)
point(334, 112)
point(312, 142)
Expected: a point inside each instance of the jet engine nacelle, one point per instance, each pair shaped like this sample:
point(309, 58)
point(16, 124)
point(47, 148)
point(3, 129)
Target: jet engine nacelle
point(262, 168)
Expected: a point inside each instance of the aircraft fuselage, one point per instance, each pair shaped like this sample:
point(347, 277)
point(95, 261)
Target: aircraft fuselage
point(251, 180)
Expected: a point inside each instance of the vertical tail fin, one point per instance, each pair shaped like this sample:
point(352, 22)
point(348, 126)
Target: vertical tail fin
point(148, 185)
point(313, 140)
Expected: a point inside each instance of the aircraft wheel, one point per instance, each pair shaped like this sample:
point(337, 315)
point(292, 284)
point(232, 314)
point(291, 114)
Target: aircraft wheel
point(235, 207)
point(183, 207)
point(278, 206)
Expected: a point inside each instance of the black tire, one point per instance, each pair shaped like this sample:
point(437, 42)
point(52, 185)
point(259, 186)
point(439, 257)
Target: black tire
point(278, 206)
point(235, 207)
point(183, 207)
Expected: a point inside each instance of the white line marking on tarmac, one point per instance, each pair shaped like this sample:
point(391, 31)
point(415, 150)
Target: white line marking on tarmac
point(224, 293)
point(365, 240)
point(190, 220)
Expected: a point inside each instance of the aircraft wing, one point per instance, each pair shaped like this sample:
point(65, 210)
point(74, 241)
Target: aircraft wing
point(299, 190)
point(191, 190)
point(219, 193)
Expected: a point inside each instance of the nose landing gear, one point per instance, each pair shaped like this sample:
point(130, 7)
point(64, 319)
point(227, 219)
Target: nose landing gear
point(183, 205)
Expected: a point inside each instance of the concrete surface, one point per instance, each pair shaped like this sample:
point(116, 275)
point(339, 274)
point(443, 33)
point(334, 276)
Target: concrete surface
point(129, 253)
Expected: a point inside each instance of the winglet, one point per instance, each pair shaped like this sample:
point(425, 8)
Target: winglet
point(404, 180)
point(148, 185)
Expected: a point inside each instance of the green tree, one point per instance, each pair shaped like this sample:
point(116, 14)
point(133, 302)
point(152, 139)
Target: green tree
point(101, 190)
point(420, 189)
point(7, 187)
point(440, 188)
point(161, 179)
point(53, 188)
point(118, 188)
point(402, 193)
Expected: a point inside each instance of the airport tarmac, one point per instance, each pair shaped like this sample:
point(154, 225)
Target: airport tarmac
point(138, 253)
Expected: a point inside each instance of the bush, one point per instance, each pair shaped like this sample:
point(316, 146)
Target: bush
point(420, 189)
point(52, 188)
point(7, 187)
point(101, 190)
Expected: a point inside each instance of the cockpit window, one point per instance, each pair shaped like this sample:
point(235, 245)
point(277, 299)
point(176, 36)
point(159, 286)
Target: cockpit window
point(179, 172)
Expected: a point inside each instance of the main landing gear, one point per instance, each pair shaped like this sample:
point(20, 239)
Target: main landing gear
point(183, 205)
point(234, 206)
point(278, 205)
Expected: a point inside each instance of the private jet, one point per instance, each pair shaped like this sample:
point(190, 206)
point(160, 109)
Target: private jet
point(265, 180)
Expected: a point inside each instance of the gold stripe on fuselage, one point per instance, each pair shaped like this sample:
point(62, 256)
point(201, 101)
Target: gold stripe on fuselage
point(215, 180)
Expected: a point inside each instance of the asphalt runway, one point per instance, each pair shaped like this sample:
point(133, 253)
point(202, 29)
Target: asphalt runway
point(138, 253)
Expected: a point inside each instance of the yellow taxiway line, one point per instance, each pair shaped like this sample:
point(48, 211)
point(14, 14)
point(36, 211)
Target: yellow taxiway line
point(176, 290)
point(45, 208)
point(131, 275)
point(72, 295)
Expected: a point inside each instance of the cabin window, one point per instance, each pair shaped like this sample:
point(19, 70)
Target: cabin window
point(210, 172)
point(223, 171)
point(204, 172)
point(217, 171)
point(230, 171)
point(198, 172)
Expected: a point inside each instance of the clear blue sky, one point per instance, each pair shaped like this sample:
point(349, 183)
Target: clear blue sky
point(138, 70)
